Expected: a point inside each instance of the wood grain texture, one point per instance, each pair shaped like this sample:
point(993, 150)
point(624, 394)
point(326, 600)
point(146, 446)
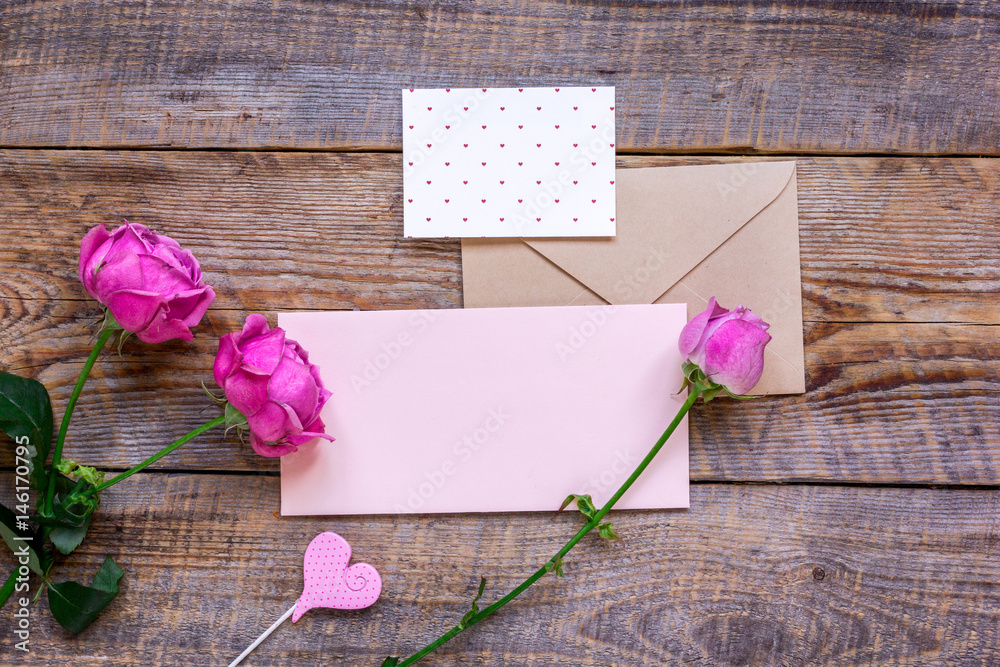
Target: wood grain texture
point(751, 575)
point(718, 75)
point(901, 269)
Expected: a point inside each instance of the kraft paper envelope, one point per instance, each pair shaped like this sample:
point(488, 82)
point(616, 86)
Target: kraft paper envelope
point(489, 410)
point(685, 234)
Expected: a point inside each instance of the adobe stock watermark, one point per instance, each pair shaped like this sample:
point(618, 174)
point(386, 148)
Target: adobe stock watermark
point(608, 480)
point(780, 304)
point(584, 155)
point(457, 114)
point(630, 285)
point(22, 507)
point(737, 179)
point(463, 450)
point(391, 350)
point(595, 318)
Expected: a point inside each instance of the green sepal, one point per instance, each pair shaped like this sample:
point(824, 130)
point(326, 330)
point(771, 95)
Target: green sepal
point(75, 606)
point(235, 419)
point(26, 412)
point(9, 532)
point(467, 618)
point(221, 400)
point(710, 392)
point(584, 503)
point(690, 371)
point(391, 661)
point(695, 377)
point(740, 397)
point(109, 323)
point(607, 531)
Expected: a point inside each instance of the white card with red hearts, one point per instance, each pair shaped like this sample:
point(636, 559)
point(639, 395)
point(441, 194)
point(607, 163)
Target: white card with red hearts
point(508, 162)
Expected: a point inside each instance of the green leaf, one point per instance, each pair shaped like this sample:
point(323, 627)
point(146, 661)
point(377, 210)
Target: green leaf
point(607, 531)
point(10, 531)
point(556, 566)
point(75, 606)
point(26, 416)
point(584, 503)
point(8, 587)
point(469, 615)
point(74, 470)
point(68, 539)
point(391, 661)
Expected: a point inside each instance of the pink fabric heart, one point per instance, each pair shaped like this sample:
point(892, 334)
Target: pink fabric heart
point(330, 583)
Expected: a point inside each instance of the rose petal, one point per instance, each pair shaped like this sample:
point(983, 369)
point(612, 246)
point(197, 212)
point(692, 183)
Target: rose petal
point(88, 246)
point(263, 352)
point(133, 238)
point(293, 384)
point(186, 260)
point(270, 423)
point(227, 359)
point(264, 449)
point(748, 315)
point(133, 309)
point(123, 271)
point(175, 256)
point(199, 309)
point(691, 341)
point(294, 423)
point(161, 329)
point(190, 306)
point(734, 355)
point(255, 325)
point(246, 390)
point(317, 429)
point(158, 276)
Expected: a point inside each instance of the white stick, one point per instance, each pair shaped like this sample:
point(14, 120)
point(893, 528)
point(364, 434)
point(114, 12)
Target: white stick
point(257, 641)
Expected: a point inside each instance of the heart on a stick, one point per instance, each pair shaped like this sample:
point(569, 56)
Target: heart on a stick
point(329, 582)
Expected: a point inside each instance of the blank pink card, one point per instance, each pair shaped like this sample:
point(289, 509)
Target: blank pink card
point(490, 409)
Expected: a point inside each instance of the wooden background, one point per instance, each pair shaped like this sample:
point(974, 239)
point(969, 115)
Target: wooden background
point(854, 525)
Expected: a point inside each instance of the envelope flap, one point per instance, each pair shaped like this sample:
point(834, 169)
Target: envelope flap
point(670, 220)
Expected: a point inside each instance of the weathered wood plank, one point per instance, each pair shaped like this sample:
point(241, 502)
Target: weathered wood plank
point(900, 273)
point(790, 575)
point(883, 239)
point(720, 75)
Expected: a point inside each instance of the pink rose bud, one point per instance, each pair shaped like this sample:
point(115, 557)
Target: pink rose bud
point(150, 284)
point(728, 346)
point(269, 380)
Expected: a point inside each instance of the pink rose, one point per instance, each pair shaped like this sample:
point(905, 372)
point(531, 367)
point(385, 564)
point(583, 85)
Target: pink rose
point(151, 285)
point(728, 346)
point(269, 379)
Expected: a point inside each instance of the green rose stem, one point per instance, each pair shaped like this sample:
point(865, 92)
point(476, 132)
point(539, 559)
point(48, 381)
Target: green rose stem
point(218, 421)
point(102, 340)
point(552, 563)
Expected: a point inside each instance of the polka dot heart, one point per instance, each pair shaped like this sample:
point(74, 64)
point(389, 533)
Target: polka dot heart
point(329, 582)
point(509, 162)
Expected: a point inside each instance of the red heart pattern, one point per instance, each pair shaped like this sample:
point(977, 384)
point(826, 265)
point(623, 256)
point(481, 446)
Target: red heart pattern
point(503, 132)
